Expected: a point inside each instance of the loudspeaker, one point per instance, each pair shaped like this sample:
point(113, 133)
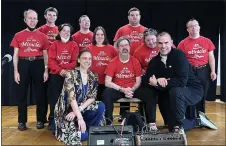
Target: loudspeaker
point(110, 135)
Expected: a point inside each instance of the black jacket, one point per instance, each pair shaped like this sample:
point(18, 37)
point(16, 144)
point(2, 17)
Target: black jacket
point(177, 70)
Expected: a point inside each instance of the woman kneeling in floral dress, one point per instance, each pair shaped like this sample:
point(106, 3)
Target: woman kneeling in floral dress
point(76, 109)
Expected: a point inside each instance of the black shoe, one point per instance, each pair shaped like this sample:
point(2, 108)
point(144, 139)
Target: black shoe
point(22, 126)
point(40, 125)
point(50, 126)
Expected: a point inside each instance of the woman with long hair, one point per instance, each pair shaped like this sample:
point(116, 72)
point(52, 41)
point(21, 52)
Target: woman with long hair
point(102, 53)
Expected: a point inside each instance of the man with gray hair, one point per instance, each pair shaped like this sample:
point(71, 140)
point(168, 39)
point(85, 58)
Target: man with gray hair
point(30, 61)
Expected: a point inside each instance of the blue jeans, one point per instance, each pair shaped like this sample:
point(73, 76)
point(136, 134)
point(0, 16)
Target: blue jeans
point(92, 118)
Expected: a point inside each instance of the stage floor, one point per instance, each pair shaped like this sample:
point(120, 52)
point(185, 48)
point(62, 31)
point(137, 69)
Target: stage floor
point(11, 136)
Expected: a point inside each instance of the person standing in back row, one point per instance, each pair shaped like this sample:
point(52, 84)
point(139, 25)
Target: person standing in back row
point(51, 31)
point(199, 51)
point(84, 36)
point(62, 59)
point(133, 31)
point(102, 53)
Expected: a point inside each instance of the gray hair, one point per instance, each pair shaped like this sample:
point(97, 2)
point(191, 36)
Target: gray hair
point(29, 11)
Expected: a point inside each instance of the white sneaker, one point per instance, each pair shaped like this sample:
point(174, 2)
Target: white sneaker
point(153, 127)
point(206, 122)
point(180, 131)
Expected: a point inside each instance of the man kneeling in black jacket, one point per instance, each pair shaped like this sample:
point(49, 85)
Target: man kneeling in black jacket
point(171, 76)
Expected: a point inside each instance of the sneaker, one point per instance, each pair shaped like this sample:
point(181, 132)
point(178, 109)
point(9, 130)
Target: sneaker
point(22, 126)
point(40, 125)
point(206, 122)
point(153, 128)
point(178, 130)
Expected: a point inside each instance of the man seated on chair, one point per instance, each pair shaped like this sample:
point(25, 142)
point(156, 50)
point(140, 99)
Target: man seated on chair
point(123, 78)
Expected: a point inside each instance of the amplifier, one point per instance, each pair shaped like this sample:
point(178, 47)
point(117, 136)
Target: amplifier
point(110, 135)
point(162, 139)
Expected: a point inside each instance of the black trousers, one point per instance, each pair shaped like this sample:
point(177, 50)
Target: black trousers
point(175, 102)
point(31, 70)
point(203, 74)
point(55, 87)
point(110, 95)
point(100, 91)
point(46, 96)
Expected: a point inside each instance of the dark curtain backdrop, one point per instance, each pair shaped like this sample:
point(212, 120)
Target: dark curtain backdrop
point(164, 15)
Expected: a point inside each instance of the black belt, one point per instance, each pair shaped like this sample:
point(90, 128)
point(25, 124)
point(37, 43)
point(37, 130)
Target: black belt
point(32, 58)
point(199, 67)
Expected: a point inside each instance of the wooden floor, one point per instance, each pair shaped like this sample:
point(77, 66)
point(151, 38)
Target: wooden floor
point(32, 136)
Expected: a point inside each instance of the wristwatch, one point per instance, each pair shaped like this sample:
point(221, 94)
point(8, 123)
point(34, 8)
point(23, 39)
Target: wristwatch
point(46, 66)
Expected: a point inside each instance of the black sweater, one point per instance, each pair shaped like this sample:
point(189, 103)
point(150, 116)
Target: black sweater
point(177, 70)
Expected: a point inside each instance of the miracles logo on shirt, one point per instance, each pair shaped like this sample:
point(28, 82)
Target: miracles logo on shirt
point(197, 51)
point(135, 36)
point(125, 73)
point(32, 45)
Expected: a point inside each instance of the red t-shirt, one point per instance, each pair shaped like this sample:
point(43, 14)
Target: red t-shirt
point(124, 74)
point(62, 56)
point(144, 54)
point(83, 40)
point(101, 56)
point(134, 34)
point(30, 43)
point(50, 32)
point(197, 50)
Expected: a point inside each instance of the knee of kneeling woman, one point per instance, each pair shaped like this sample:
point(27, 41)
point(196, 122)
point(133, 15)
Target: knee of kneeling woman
point(101, 108)
point(84, 136)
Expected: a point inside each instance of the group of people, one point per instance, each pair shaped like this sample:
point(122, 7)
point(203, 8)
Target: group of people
point(83, 75)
